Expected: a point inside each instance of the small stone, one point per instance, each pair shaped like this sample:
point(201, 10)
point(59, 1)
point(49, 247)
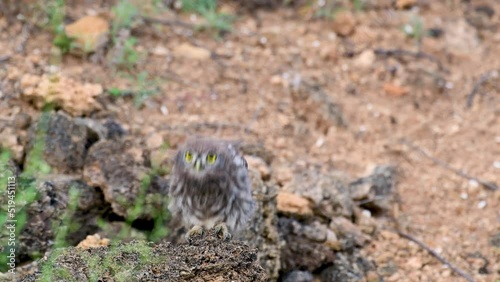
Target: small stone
point(344, 24)
point(414, 263)
point(345, 228)
point(93, 241)
point(260, 165)
point(365, 59)
point(372, 276)
point(283, 175)
point(293, 204)
point(90, 33)
point(332, 241)
point(388, 235)
point(160, 51)
point(473, 183)
point(405, 4)
point(482, 204)
point(154, 141)
point(9, 140)
point(22, 121)
point(299, 276)
point(395, 90)
point(360, 192)
point(495, 240)
point(189, 51)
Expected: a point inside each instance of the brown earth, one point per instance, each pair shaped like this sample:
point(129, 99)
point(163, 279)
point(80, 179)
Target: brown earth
point(340, 94)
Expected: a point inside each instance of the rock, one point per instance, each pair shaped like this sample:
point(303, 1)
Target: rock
point(348, 268)
point(495, 240)
point(22, 121)
point(350, 233)
point(72, 96)
point(118, 167)
point(376, 191)
point(262, 233)
point(114, 129)
point(62, 142)
point(344, 24)
point(405, 4)
point(90, 33)
point(160, 51)
point(205, 259)
point(101, 131)
point(191, 52)
point(49, 209)
point(283, 175)
point(395, 90)
point(328, 192)
point(365, 59)
point(304, 248)
point(154, 141)
point(259, 165)
point(9, 139)
point(480, 16)
point(298, 276)
point(293, 204)
point(93, 241)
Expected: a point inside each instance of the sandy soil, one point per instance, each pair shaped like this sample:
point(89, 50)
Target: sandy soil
point(247, 90)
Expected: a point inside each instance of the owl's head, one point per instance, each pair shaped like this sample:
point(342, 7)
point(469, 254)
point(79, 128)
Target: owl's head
point(201, 156)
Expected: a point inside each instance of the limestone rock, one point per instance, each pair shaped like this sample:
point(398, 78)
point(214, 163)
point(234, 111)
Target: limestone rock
point(90, 33)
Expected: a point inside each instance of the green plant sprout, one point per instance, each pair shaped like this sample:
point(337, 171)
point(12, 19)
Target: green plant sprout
point(144, 87)
point(415, 29)
point(214, 20)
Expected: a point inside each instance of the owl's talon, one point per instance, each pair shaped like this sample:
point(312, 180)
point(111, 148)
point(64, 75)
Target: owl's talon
point(222, 231)
point(195, 231)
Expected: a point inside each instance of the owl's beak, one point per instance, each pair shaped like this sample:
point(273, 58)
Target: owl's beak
point(197, 165)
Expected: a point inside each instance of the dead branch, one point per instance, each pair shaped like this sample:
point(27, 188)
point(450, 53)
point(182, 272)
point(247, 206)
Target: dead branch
point(179, 23)
point(437, 256)
point(489, 185)
point(25, 34)
point(482, 80)
point(402, 53)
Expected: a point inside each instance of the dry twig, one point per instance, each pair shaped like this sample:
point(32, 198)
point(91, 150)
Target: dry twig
point(25, 34)
point(437, 256)
point(482, 80)
point(402, 53)
point(179, 23)
point(489, 185)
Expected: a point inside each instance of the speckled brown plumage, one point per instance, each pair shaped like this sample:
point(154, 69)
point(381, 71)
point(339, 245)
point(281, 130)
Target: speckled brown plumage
point(210, 187)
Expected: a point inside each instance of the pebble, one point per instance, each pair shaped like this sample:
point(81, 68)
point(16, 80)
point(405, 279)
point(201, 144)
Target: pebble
point(482, 204)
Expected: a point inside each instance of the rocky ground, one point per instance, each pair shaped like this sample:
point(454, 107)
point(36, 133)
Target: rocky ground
point(356, 126)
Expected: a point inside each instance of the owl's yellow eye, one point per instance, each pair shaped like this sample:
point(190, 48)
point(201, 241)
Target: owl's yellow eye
point(188, 157)
point(211, 158)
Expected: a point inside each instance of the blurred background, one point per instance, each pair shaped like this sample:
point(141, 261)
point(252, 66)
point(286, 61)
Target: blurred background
point(358, 119)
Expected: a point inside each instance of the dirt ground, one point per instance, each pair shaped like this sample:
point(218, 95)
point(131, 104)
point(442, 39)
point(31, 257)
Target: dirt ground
point(250, 88)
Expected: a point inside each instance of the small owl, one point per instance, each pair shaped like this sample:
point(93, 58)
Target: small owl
point(210, 188)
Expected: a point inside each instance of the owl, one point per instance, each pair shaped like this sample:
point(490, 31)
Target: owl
point(210, 188)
